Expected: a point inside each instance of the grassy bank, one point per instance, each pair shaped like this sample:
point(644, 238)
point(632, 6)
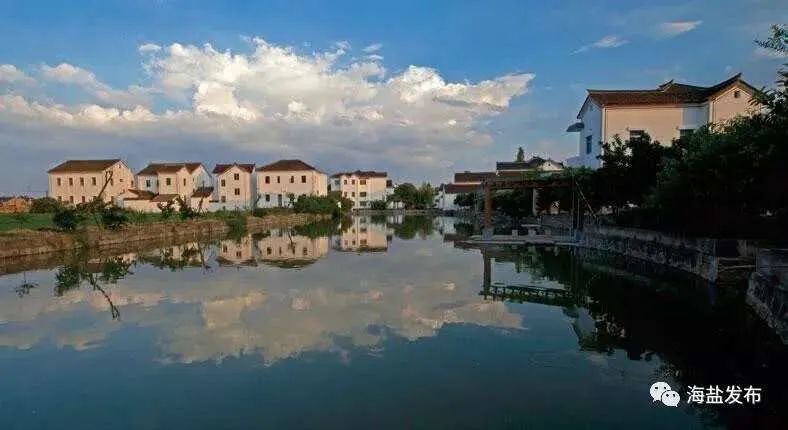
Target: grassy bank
point(28, 221)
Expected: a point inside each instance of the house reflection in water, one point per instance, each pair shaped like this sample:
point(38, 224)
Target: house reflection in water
point(363, 236)
point(283, 249)
point(236, 252)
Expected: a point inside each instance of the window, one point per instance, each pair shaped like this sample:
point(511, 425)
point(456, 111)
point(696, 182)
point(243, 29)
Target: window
point(267, 179)
point(71, 199)
point(83, 199)
point(58, 182)
point(223, 183)
point(93, 180)
point(268, 250)
point(268, 197)
point(305, 251)
point(168, 181)
point(364, 203)
point(588, 144)
point(303, 179)
point(70, 181)
point(636, 134)
point(352, 194)
point(345, 182)
point(277, 180)
point(147, 183)
point(238, 254)
point(736, 94)
point(362, 194)
point(60, 198)
point(344, 194)
point(292, 179)
point(224, 248)
point(362, 181)
point(336, 182)
point(237, 191)
point(352, 182)
point(685, 132)
point(237, 176)
point(362, 230)
point(224, 199)
point(184, 181)
point(81, 182)
point(363, 242)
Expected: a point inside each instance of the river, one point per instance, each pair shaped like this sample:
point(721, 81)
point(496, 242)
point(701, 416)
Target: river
point(374, 324)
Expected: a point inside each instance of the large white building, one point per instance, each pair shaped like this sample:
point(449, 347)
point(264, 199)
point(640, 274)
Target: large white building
point(80, 181)
point(362, 187)
point(666, 113)
point(234, 186)
point(279, 180)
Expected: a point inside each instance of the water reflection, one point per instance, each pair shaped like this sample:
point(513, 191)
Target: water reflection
point(292, 293)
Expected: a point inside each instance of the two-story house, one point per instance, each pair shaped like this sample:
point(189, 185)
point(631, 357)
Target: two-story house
point(234, 186)
point(282, 249)
point(362, 187)
point(281, 179)
point(79, 181)
point(162, 183)
point(668, 112)
point(363, 236)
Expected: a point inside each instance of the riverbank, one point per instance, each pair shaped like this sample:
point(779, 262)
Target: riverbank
point(26, 243)
point(435, 212)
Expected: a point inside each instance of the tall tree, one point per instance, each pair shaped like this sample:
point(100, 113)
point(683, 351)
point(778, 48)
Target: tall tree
point(520, 154)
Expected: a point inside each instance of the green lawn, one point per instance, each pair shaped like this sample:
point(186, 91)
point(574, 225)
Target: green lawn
point(32, 221)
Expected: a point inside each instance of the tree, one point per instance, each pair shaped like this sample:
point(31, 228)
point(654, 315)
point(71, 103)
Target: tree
point(465, 200)
point(67, 219)
point(412, 197)
point(45, 205)
point(520, 154)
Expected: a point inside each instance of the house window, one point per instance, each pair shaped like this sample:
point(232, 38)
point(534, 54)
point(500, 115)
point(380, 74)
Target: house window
point(277, 180)
point(58, 182)
point(267, 179)
point(238, 254)
point(60, 198)
point(636, 134)
point(223, 182)
point(352, 182)
point(268, 197)
point(364, 203)
point(345, 181)
point(71, 199)
point(352, 194)
point(292, 179)
point(305, 251)
point(303, 179)
point(588, 144)
point(184, 181)
point(362, 194)
point(93, 180)
point(147, 183)
point(83, 199)
point(237, 176)
point(736, 94)
point(345, 194)
point(224, 199)
point(168, 181)
point(70, 181)
point(685, 132)
point(81, 182)
point(268, 250)
point(362, 181)
point(237, 191)
point(362, 230)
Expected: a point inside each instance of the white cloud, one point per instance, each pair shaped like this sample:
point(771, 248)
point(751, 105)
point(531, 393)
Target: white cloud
point(274, 101)
point(10, 74)
point(69, 74)
point(770, 54)
point(375, 47)
point(149, 47)
point(606, 42)
point(670, 29)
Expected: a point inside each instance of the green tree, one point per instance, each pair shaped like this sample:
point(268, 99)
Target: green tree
point(44, 205)
point(520, 154)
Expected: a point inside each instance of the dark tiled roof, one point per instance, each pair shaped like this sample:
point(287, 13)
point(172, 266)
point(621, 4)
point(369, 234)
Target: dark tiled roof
point(472, 176)
point(221, 168)
point(533, 163)
point(163, 197)
point(141, 194)
point(191, 166)
point(70, 166)
point(667, 93)
point(362, 174)
point(203, 192)
point(285, 165)
point(156, 168)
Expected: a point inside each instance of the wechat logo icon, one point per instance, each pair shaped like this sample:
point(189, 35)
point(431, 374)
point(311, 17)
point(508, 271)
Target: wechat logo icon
point(661, 392)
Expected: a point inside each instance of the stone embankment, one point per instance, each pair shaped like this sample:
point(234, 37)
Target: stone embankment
point(29, 243)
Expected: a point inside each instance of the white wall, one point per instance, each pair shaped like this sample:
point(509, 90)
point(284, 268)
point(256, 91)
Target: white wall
point(244, 184)
point(662, 123)
point(726, 106)
point(591, 116)
point(304, 182)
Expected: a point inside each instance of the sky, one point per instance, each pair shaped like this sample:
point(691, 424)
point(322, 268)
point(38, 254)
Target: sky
point(418, 89)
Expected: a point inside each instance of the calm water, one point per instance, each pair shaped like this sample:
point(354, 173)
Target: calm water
point(373, 325)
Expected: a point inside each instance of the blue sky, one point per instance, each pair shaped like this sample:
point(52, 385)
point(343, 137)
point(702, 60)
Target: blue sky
point(61, 58)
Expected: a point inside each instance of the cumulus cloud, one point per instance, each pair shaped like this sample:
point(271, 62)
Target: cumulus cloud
point(670, 29)
point(275, 101)
point(69, 74)
point(606, 42)
point(10, 74)
point(769, 54)
point(375, 47)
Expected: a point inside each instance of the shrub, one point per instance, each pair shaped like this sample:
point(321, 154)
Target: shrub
point(67, 219)
point(377, 205)
point(45, 205)
point(113, 217)
point(185, 211)
point(264, 212)
point(315, 205)
point(167, 209)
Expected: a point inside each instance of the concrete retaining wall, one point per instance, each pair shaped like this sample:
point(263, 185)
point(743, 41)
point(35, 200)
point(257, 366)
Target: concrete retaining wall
point(696, 256)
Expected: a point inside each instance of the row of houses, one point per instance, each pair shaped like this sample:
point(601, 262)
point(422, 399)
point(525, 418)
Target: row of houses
point(226, 187)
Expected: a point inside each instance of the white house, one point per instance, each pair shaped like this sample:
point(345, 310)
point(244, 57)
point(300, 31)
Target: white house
point(80, 181)
point(362, 187)
point(464, 183)
point(668, 112)
point(234, 187)
point(278, 180)
point(160, 183)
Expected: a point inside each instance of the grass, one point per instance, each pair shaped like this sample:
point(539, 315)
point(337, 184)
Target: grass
point(31, 221)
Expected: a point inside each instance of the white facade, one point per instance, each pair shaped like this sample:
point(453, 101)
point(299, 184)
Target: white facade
point(278, 181)
point(362, 187)
point(607, 114)
point(234, 187)
point(80, 181)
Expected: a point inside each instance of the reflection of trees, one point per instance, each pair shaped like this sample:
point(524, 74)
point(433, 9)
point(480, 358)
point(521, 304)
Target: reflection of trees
point(105, 272)
point(323, 228)
point(24, 288)
point(187, 256)
point(412, 225)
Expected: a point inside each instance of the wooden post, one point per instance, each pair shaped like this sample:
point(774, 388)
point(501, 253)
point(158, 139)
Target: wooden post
point(487, 231)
